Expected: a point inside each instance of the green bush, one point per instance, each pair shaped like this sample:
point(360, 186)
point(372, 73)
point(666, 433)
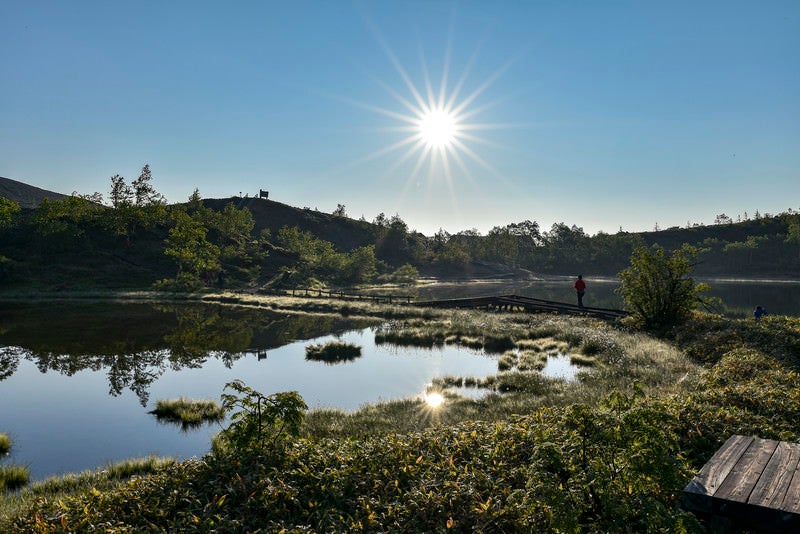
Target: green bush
point(658, 288)
point(256, 417)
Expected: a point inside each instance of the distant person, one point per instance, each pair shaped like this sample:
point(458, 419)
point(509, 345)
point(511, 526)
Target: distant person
point(759, 312)
point(580, 289)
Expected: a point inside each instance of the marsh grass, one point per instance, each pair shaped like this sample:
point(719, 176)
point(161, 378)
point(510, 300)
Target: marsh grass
point(532, 360)
point(333, 352)
point(13, 477)
point(619, 360)
point(507, 361)
point(99, 479)
point(190, 413)
point(582, 359)
point(5, 444)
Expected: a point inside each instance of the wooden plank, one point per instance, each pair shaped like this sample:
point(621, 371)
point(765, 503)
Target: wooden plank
point(697, 495)
point(773, 484)
point(741, 480)
point(791, 501)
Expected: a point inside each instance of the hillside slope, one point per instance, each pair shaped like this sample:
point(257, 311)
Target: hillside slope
point(27, 196)
point(343, 232)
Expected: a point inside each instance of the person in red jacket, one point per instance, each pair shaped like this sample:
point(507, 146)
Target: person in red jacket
point(580, 289)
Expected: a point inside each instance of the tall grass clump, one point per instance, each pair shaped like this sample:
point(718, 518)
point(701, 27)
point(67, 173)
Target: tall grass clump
point(410, 337)
point(13, 477)
point(188, 412)
point(5, 444)
point(333, 352)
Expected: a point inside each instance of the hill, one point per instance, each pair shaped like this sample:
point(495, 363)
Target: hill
point(27, 196)
point(343, 232)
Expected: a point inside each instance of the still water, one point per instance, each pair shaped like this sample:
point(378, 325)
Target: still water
point(77, 381)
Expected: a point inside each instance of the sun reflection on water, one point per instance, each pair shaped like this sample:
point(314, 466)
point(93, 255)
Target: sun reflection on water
point(434, 400)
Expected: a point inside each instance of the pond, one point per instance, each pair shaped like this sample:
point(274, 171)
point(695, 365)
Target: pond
point(77, 381)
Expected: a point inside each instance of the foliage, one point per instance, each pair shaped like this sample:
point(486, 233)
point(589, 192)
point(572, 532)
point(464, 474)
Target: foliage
point(257, 417)
point(188, 246)
point(8, 210)
point(319, 258)
point(609, 468)
point(406, 274)
point(5, 444)
point(707, 338)
point(658, 287)
point(612, 466)
point(67, 219)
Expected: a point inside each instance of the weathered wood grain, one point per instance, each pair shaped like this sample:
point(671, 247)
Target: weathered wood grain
point(773, 484)
point(741, 480)
point(750, 483)
point(697, 495)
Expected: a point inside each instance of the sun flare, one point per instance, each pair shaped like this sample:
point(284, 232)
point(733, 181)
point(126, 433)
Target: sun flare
point(436, 125)
point(434, 400)
point(438, 128)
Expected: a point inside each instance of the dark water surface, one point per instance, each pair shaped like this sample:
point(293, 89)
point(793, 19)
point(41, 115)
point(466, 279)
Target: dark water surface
point(77, 381)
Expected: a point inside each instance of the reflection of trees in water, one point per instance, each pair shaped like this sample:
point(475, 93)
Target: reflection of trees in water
point(201, 331)
point(136, 344)
point(9, 361)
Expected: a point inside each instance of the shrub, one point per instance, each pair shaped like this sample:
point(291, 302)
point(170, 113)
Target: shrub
point(658, 287)
point(256, 416)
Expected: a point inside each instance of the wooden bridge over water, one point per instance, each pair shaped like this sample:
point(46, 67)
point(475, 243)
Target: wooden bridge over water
point(525, 304)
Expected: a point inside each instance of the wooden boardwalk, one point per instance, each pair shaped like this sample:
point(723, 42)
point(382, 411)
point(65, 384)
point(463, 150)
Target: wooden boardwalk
point(749, 484)
point(526, 304)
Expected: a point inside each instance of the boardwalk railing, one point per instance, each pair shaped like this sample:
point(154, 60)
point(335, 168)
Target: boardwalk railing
point(526, 304)
point(491, 302)
point(328, 293)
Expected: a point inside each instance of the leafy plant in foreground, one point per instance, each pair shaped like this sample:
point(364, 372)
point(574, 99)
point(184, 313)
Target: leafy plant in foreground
point(257, 416)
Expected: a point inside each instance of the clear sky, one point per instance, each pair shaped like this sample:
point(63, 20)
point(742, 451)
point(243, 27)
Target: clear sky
point(454, 115)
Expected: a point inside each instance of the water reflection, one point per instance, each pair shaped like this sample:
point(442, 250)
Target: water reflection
point(60, 363)
point(136, 343)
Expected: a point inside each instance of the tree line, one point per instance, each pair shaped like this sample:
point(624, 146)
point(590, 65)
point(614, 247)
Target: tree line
point(223, 247)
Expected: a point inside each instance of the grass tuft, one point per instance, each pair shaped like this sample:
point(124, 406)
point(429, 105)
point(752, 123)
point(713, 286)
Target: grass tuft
point(189, 412)
point(333, 352)
point(13, 477)
point(5, 444)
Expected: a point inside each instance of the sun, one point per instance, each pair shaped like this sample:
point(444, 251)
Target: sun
point(436, 123)
point(438, 128)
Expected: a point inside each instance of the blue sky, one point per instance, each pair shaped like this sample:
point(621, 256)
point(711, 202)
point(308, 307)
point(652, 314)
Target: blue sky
point(599, 114)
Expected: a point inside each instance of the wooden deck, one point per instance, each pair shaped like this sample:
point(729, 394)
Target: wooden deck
point(749, 484)
point(526, 304)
